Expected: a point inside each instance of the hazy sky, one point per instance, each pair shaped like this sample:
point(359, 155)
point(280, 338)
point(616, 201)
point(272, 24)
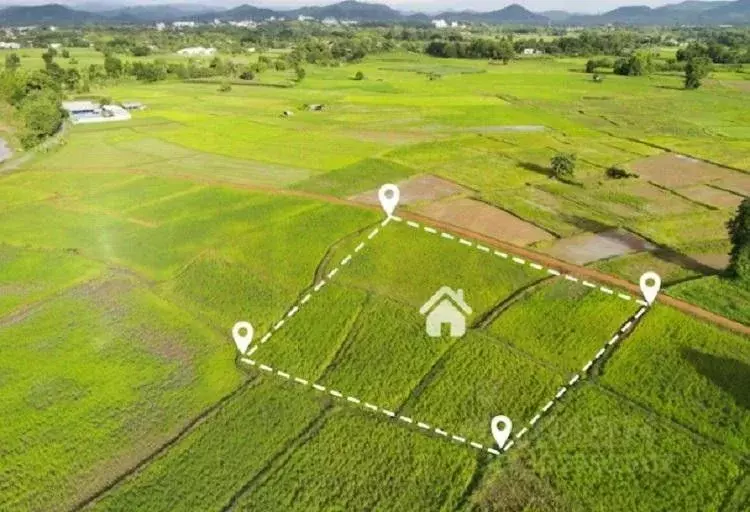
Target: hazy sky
point(422, 5)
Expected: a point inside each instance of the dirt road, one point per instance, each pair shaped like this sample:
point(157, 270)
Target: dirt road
point(543, 259)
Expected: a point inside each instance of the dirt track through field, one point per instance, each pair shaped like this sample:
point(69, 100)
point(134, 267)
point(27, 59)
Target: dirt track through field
point(543, 259)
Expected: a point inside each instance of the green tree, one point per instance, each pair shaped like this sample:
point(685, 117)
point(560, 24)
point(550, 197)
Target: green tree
point(72, 78)
point(42, 116)
point(301, 73)
point(739, 237)
point(65, 54)
point(112, 66)
point(563, 166)
point(359, 76)
point(12, 61)
point(696, 70)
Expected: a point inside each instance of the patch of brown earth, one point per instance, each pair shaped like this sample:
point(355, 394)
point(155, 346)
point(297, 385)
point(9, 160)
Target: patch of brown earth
point(718, 261)
point(417, 188)
point(711, 196)
point(585, 248)
point(674, 171)
point(739, 184)
point(485, 219)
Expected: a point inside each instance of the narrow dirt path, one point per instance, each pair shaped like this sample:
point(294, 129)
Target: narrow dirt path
point(543, 259)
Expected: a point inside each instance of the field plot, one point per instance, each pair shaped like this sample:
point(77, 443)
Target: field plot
point(363, 339)
point(602, 453)
point(485, 219)
point(696, 374)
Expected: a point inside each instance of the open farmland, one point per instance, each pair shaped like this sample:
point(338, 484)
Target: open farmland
point(127, 254)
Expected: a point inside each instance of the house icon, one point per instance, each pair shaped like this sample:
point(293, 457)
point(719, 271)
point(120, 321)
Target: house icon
point(446, 306)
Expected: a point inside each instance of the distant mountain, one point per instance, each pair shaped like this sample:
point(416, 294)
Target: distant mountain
point(50, 14)
point(154, 13)
point(685, 13)
point(556, 16)
point(691, 12)
point(733, 12)
point(513, 14)
point(240, 13)
point(351, 10)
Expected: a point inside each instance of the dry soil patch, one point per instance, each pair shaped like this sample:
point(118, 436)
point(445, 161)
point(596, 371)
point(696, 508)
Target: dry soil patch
point(585, 248)
point(417, 188)
point(485, 219)
point(674, 171)
point(738, 183)
point(711, 196)
point(718, 261)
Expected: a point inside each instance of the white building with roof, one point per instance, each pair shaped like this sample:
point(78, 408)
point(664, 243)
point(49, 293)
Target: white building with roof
point(197, 51)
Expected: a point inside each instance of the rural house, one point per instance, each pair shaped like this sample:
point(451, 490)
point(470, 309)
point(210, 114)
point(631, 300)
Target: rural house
point(446, 307)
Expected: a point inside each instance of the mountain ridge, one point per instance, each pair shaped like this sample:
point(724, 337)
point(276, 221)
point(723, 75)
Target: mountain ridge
point(689, 12)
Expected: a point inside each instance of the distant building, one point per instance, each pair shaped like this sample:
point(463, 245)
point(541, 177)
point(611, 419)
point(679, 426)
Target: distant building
point(440, 23)
point(197, 51)
point(161, 26)
point(83, 112)
point(305, 18)
point(9, 46)
point(183, 24)
point(244, 24)
point(55, 46)
point(330, 22)
point(532, 51)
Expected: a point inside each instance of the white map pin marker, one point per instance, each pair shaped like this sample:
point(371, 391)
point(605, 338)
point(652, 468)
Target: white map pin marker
point(389, 195)
point(243, 336)
point(650, 286)
point(501, 435)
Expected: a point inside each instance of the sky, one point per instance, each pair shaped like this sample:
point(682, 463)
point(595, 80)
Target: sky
point(587, 6)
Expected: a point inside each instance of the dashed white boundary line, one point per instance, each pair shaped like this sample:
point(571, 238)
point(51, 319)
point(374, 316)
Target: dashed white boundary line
point(627, 326)
point(622, 331)
point(424, 426)
point(517, 260)
point(372, 407)
point(320, 284)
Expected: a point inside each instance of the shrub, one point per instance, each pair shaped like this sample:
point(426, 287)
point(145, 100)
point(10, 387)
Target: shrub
point(619, 173)
point(359, 76)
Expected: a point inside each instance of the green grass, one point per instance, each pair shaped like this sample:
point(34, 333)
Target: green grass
point(94, 380)
point(410, 265)
point(359, 177)
point(216, 458)
point(601, 453)
point(562, 323)
point(358, 461)
point(31, 275)
point(96, 377)
point(694, 373)
point(717, 294)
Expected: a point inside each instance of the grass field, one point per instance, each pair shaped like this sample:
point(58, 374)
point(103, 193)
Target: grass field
point(127, 254)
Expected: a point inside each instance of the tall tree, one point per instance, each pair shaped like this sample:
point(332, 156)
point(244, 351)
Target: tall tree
point(12, 61)
point(696, 70)
point(739, 237)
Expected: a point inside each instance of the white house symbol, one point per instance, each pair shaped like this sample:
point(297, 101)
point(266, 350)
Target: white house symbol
point(446, 306)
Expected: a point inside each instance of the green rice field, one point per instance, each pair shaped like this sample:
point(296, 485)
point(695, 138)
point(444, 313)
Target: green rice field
point(129, 251)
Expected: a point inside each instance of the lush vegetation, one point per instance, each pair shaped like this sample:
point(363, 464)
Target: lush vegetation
point(129, 252)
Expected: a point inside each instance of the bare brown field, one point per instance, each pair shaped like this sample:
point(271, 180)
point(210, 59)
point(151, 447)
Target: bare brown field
point(711, 196)
point(718, 261)
point(675, 171)
point(485, 219)
point(416, 189)
point(589, 247)
point(739, 184)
